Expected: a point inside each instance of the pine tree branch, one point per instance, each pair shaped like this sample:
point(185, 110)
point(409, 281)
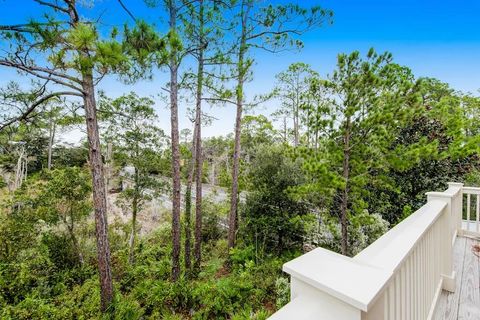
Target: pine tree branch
point(51, 5)
point(34, 105)
point(129, 13)
point(49, 74)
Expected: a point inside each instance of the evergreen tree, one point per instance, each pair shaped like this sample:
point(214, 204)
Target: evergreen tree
point(68, 51)
point(131, 128)
point(272, 28)
point(368, 98)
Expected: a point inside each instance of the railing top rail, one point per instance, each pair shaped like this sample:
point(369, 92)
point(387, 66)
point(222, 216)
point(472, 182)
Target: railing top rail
point(360, 280)
point(353, 282)
point(390, 250)
point(471, 190)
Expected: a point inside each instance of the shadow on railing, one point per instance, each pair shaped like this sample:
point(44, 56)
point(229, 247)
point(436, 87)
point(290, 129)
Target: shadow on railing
point(399, 276)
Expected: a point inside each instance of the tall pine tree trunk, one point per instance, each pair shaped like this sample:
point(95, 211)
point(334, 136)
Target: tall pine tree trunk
point(99, 195)
point(175, 148)
point(197, 251)
point(133, 234)
point(188, 207)
point(188, 216)
point(51, 139)
point(295, 127)
point(232, 225)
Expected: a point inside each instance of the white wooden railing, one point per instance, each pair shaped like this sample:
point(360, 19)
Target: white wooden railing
point(400, 276)
point(471, 214)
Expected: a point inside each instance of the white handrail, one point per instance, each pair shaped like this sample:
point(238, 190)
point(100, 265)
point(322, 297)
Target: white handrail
point(399, 276)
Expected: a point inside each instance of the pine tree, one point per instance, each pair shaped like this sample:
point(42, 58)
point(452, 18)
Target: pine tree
point(367, 100)
point(130, 122)
point(71, 54)
point(272, 28)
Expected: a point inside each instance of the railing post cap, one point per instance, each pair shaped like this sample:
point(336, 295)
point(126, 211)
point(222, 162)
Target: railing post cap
point(455, 184)
point(437, 194)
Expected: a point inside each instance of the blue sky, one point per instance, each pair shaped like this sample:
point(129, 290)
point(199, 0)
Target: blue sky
point(439, 39)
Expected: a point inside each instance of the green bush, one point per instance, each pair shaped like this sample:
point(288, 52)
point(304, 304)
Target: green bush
point(272, 220)
point(31, 308)
point(60, 250)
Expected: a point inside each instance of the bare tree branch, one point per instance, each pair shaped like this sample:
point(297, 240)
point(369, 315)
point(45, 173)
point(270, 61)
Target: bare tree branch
point(50, 74)
point(51, 5)
point(127, 10)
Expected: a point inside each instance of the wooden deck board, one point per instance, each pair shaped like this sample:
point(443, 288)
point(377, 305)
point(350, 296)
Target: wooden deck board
point(464, 303)
point(469, 305)
point(447, 306)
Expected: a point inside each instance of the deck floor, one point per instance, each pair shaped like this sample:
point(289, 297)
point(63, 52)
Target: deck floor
point(464, 303)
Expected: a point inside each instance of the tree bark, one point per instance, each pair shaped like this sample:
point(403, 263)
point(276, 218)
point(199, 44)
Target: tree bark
point(296, 105)
point(51, 140)
point(232, 225)
point(197, 250)
point(108, 166)
point(175, 150)
point(188, 213)
point(295, 127)
point(99, 195)
point(188, 205)
point(133, 235)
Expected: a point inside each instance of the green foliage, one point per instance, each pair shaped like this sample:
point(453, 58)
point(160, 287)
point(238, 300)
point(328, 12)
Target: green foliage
point(137, 143)
point(282, 289)
point(370, 138)
point(269, 203)
point(363, 229)
point(61, 251)
point(145, 45)
point(431, 149)
point(67, 156)
point(65, 196)
point(212, 215)
point(257, 130)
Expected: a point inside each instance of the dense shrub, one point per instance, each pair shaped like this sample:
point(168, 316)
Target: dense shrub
point(272, 220)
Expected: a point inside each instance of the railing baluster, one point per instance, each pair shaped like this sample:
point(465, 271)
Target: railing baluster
point(415, 283)
point(385, 304)
point(425, 277)
point(398, 295)
point(468, 212)
point(429, 269)
point(391, 301)
point(417, 252)
point(409, 288)
point(403, 303)
point(478, 212)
